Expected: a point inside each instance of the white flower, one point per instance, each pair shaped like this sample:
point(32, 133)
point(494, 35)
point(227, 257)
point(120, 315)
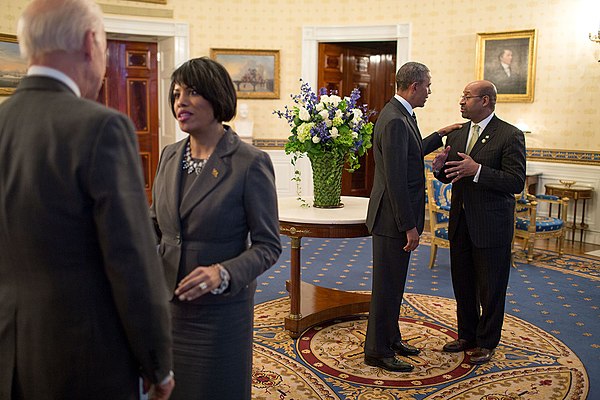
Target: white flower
point(334, 132)
point(357, 113)
point(303, 114)
point(319, 106)
point(316, 139)
point(354, 135)
point(303, 131)
point(338, 113)
point(334, 100)
point(324, 114)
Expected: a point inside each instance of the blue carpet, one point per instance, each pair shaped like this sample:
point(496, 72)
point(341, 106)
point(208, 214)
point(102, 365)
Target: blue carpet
point(557, 295)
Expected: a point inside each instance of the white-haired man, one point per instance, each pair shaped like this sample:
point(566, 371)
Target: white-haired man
point(83, 302)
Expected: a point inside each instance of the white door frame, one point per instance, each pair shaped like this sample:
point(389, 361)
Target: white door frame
point(173, 50)
point(313, 35)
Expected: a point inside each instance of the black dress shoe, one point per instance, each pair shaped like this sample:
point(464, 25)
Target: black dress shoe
point(481, 356)
point(389, 364)
point(459, 345)
point(405, 349)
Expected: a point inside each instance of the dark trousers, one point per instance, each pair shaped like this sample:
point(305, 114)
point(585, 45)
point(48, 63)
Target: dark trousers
point(479, 278)
point(390, 265)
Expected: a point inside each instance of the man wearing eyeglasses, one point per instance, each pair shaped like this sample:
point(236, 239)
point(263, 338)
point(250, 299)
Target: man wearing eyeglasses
point(485, 162)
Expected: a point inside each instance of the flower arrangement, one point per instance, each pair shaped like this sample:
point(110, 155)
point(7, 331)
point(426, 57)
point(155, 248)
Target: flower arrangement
point(328, 124)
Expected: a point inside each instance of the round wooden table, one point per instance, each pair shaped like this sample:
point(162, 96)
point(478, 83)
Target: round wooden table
point(311, 304)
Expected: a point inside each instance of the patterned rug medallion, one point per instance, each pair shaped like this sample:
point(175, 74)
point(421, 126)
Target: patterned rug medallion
point(326, 362)
point(549, 347)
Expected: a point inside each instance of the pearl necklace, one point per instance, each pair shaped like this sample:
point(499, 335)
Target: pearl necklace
point(189, 164)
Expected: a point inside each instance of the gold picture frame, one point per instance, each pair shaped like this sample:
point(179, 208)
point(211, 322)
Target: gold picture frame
point(255, 73)
point(151, 1)
point(12, 67)
point(508, 60)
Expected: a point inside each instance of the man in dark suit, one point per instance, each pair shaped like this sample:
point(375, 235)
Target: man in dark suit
point(485, 161)
point(504, 75)
point(83, 300)
point(396, 211)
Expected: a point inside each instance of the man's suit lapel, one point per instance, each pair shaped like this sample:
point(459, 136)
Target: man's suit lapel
point(216, 169)
point(485, 137)
point(410, 122)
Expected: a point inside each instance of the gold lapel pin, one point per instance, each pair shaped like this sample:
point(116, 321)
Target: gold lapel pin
point(215, 173)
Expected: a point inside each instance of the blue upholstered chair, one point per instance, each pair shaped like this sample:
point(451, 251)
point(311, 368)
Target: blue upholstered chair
point(438, 204)
point(543, 227)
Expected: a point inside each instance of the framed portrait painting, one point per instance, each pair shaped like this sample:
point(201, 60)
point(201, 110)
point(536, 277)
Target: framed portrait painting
point(12, 67)
point(508, 60)
point(255, 73)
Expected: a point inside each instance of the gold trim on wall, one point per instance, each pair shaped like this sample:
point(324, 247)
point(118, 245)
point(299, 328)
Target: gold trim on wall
point(549, 155)
point(520, 48)
point(150, 1)
point(564, 156)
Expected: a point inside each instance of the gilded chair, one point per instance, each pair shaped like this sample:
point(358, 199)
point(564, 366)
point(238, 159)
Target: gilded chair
point(527, 210)
point(438, 204)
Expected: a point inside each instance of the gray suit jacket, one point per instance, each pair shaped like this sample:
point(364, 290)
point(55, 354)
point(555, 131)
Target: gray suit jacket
point(229, 216)
point(83, 302)
point(489, 204)
point(397, 202)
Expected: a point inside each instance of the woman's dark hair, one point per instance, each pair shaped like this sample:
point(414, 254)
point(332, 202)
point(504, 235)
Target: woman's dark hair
point(210, 80)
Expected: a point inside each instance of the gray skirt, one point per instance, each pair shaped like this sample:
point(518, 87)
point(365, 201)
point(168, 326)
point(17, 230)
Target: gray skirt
point(212, 351)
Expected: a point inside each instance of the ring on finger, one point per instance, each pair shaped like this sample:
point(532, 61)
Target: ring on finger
point(202, 285)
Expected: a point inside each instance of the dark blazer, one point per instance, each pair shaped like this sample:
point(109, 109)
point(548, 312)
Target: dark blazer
point(489, 204)
point(516, 83)
point(397, 202)
point(83, 301)
point(235, 195)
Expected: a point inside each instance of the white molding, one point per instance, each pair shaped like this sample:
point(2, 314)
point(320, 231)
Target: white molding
point(284, 172)
point(313, 35)
point(173, 40)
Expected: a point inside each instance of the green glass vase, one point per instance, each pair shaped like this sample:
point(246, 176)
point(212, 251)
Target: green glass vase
point(327, 179)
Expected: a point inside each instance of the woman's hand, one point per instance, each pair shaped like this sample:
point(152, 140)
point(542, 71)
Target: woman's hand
point(197, 283)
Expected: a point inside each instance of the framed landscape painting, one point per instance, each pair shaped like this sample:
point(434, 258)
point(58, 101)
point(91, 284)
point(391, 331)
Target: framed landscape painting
point(255, 73)
point(508, 60)
point(12, 67)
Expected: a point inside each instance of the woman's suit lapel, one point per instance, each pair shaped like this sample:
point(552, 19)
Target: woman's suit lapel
point(216, 169)
point(172, 173)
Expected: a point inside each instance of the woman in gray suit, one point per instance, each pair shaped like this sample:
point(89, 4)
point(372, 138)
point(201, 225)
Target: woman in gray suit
point(215, 212)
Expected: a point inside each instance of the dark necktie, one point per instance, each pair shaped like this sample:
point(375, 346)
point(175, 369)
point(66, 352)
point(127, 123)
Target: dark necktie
point(415, 118)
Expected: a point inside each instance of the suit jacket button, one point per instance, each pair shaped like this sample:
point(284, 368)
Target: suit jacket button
point(178, 238)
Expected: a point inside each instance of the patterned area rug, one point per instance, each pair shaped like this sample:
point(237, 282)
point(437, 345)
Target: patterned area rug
point(326, 362)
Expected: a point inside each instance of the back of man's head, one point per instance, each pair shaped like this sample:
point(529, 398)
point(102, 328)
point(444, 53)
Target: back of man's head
point(410, 73)
point(48, 26)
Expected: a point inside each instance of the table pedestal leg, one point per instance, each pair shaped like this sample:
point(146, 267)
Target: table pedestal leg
point(294, 288)
point(574, 222)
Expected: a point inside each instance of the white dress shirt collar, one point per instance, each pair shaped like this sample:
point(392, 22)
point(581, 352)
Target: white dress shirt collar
point(483, 123)
point(40, 70)
point(405, 103)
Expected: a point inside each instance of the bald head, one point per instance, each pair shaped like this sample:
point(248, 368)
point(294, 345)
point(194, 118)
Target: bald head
point(478, 100)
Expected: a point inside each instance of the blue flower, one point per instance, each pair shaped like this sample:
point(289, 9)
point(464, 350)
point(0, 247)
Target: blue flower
point(328, 123)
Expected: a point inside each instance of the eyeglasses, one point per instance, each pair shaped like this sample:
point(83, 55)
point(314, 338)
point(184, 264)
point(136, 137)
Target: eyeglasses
point(463, 97)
